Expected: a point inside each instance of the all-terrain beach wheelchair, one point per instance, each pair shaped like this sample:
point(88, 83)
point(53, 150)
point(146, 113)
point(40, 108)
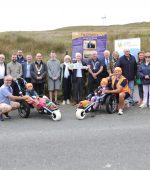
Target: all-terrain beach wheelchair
point(95, 101)
point(43, 105)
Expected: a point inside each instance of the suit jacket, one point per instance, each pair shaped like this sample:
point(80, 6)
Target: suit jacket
point(34, 74)
point(74, 78)
point(24, 70)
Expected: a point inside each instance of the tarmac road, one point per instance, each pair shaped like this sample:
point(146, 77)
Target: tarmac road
point(108, 141)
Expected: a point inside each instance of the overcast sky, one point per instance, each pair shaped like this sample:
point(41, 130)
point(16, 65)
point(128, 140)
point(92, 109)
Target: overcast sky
point(24, 15)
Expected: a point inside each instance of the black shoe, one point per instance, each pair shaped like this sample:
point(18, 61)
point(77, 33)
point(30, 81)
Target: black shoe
point(1, 117)
point(7, 115)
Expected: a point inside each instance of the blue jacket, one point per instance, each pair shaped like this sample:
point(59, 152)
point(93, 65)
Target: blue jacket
point(129, 67)
point(21, 60)
point(143, 71)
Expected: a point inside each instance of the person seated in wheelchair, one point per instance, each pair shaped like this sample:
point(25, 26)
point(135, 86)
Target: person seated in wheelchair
point(30, 91)
point(120, 88)
point(99, 92)
point(37, 101)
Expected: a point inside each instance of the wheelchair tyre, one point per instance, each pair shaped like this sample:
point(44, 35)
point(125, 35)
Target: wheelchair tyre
point(56, 115)
point(111, 104)
point(24, 110)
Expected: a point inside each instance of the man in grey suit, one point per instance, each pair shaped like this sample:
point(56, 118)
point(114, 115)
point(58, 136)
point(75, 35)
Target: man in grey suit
point(26, 68)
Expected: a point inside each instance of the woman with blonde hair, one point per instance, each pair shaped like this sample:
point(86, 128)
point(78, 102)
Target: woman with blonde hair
point(66, 79)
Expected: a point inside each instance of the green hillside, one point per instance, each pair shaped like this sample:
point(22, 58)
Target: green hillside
point(60, 39)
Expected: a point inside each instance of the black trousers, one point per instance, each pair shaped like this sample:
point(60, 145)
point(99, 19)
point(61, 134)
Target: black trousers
point(93, 83)
point(15, 88)
point(67, 88)
point(78, 89)
point(140, 87)
point(1, 82)
point(39, 88)
point(28, 80)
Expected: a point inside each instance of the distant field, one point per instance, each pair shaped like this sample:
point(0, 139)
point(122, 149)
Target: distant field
point(60, 39)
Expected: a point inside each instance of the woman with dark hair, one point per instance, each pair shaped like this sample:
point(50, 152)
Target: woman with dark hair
point(141, 60)
point(144, 73)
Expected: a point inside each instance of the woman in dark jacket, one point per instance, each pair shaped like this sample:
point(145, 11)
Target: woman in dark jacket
point(66, 79)
point(141, 60)
point(144, 73)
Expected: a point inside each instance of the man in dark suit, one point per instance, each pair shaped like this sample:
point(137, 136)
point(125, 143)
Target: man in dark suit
point(38, 74)
point(26, 69)
point(3, 69)
point(79, 70)
point(95, 69)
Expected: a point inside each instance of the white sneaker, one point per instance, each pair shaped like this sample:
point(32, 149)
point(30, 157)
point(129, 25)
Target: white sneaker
point(68, 102)
point(120, 112)
point(64, 102)
point(143, 105)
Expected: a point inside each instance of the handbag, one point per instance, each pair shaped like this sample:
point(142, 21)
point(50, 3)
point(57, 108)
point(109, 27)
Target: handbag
point(138, 81)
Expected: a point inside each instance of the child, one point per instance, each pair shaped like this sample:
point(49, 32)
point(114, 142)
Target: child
point(35, 100)
point(30, 91)
point(99, 92)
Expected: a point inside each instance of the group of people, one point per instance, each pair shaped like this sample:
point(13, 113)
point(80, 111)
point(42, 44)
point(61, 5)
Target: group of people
point(73, 77)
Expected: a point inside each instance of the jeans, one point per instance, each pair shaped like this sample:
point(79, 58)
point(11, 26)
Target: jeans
point(131, 87)
point(146, 89)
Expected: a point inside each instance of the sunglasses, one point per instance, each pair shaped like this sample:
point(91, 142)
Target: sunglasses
point(147, 56)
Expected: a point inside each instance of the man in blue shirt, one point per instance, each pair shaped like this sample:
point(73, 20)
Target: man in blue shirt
point(26, 69)
point(7, 102)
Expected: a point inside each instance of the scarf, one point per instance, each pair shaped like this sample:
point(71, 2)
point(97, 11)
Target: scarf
point(66, 72)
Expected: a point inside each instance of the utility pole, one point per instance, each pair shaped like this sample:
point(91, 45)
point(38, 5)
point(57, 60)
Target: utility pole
point(103, 20)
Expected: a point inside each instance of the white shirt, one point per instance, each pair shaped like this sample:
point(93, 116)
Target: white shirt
point(106, 61)
point(79, 71)
point(2, 71)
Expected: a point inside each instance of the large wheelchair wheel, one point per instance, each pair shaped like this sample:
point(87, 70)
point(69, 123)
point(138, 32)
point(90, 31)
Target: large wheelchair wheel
point(56, 115)
point(111, 104)
point(80, 114)
point(24, 110)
